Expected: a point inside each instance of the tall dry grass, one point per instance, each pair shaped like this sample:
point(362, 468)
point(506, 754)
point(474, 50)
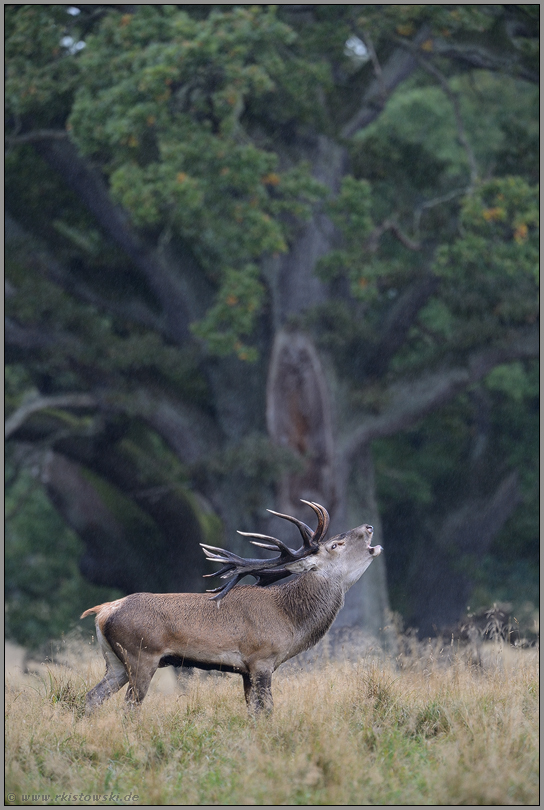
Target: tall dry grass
point(369, 732)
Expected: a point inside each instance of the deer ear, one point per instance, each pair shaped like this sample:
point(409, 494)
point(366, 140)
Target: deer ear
point(303, 565)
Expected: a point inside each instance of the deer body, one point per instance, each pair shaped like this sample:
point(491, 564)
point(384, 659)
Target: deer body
point(250, 630)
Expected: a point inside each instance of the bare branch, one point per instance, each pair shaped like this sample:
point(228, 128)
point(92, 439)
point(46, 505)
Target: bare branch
point(40, 403)
point(188, 430)
point(472, 527)
point(418, 213)
point(454, 98)
point(390, 225)
point(443, 590)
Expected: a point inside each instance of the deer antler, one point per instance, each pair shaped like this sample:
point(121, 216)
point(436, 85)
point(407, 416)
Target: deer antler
point(271, 570)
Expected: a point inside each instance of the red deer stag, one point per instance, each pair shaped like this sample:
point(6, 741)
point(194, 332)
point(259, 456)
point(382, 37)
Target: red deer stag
point(256, 628)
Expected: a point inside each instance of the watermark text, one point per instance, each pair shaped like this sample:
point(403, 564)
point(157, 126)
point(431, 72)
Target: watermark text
point(74, 798)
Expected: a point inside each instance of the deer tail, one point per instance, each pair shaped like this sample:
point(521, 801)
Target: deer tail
point(95, 609)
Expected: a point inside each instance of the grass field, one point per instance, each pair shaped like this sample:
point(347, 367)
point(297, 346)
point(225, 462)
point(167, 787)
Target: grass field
point(419, 731)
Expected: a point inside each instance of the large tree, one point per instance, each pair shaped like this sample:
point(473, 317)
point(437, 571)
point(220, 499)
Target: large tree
point(245, 243)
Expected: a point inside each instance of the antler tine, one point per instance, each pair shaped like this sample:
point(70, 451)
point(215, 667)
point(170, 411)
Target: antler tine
point(221, 555)
point(275, 568)
point(222, 591)
point(211, 549)
point(277, 543)
point(233, 563)
point(323, 519)
point(305, 531)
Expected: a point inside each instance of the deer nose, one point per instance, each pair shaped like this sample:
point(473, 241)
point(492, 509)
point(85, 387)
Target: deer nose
point(370, 528)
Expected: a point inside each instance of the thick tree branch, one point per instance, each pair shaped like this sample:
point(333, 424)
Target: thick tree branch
point(36, 135)
point(124, 547)
point(40, 403)
point(470, 529)
point(481, 58)
point(378, 72)
point(52, 269)
point(91, 190)
point(187, 430)
point(398, 323)
point(408, 402)
point(395, 70)
point(497, 49)
point(29, 341)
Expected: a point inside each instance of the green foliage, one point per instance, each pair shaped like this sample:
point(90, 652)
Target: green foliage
point(351, 213)
point(427, 472)
point(234, 313)
point(516, 425)
point(412, 154)
point(446, 20)
point(504, 212)
point(45, 592)
point(41, 74)
point(162, 106)
point(251, 465)
point(490, 272)
point(413, 144)
point(96, 338)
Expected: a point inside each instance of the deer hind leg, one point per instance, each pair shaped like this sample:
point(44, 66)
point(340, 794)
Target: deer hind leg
point(115, 678)
point(258, 692)
point(141, 668)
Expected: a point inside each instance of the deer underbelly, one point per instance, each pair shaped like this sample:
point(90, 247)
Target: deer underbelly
point(225, 661)
point(174, 661)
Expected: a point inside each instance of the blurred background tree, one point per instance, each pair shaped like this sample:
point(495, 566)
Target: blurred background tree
point(262, 253)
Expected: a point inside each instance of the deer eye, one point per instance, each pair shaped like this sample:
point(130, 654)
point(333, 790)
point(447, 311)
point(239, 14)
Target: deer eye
point(334, 545)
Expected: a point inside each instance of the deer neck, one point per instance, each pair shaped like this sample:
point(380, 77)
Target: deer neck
point(312, 602)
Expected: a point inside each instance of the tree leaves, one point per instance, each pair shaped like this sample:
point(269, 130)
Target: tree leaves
point(492, 267)
point(163, 105)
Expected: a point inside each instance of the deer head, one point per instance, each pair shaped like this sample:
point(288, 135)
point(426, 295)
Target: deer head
point(345, 557)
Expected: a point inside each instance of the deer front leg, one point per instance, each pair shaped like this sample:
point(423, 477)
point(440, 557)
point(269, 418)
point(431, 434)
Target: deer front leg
point(247, 687)
point(258, 691)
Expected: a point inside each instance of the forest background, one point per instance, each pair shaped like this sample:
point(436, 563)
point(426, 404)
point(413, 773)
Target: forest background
point(262, 253)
